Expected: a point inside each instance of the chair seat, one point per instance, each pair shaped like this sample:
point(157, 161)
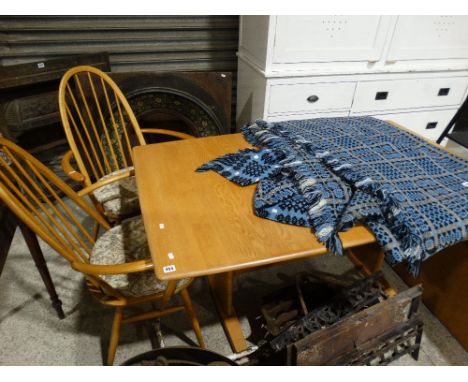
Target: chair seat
point(119, 198)
point(122, 244)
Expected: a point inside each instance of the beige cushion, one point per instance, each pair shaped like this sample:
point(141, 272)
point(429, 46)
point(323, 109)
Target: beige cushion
point(122, 244)
point(119, 198)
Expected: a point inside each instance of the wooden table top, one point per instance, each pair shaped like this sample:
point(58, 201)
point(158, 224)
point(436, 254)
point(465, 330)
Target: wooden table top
point(201, 223)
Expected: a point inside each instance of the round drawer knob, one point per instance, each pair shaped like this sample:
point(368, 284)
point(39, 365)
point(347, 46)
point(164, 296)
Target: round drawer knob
point(312, 98)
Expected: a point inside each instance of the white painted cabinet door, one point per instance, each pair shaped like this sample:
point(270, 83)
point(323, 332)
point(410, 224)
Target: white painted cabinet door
point(429, 37)
point(328, 38)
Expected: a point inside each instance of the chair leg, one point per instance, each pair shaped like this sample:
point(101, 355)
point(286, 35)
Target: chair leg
point(115, 335)
point(193, 317)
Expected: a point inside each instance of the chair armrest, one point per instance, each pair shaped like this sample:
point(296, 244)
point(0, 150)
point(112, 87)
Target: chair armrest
point(69, 170)
point(114, 269)
point(168, 132)
point(103, 182)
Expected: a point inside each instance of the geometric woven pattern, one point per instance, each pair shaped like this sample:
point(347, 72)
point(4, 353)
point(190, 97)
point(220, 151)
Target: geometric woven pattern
point(329, 173)
point(246, 166)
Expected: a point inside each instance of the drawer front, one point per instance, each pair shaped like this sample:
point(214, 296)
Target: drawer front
point(304, 98)
point(428, 124)
point(294, 117)
point(406, 94)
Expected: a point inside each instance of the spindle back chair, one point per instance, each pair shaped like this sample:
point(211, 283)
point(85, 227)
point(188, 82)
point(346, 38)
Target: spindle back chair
point(35, 195)
point(99, 123)
point(100, 127)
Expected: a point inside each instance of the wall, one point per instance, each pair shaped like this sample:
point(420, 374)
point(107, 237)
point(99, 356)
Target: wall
point(134, 43)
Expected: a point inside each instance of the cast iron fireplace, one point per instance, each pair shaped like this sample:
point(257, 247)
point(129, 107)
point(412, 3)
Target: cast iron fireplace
point(197, 103)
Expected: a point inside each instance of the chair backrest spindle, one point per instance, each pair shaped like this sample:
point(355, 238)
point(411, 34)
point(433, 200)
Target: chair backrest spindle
point(79, 129)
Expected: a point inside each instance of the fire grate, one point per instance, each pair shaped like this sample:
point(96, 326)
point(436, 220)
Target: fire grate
point(405, 340)
point(347, 324)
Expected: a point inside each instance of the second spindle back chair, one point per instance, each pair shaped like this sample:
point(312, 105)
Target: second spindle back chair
point(101, 129)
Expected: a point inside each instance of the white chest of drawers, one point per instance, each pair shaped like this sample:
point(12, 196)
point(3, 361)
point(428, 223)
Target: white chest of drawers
point(410, 69)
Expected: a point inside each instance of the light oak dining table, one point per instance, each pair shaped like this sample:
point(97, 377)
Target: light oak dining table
point(201, 224)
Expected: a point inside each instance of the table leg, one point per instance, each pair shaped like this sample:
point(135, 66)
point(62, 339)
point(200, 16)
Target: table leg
point(369, 259)
point(221, 286)
point(38, 257)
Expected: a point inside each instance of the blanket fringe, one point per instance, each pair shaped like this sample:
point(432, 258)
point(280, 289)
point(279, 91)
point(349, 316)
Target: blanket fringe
point(320, 216)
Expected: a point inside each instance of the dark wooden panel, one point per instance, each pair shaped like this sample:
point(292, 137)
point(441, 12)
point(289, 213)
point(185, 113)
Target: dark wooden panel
point(444, 278)
point(28, 93)
point(15, 76)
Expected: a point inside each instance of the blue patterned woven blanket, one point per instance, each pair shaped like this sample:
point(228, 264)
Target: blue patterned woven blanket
point(330, 173)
